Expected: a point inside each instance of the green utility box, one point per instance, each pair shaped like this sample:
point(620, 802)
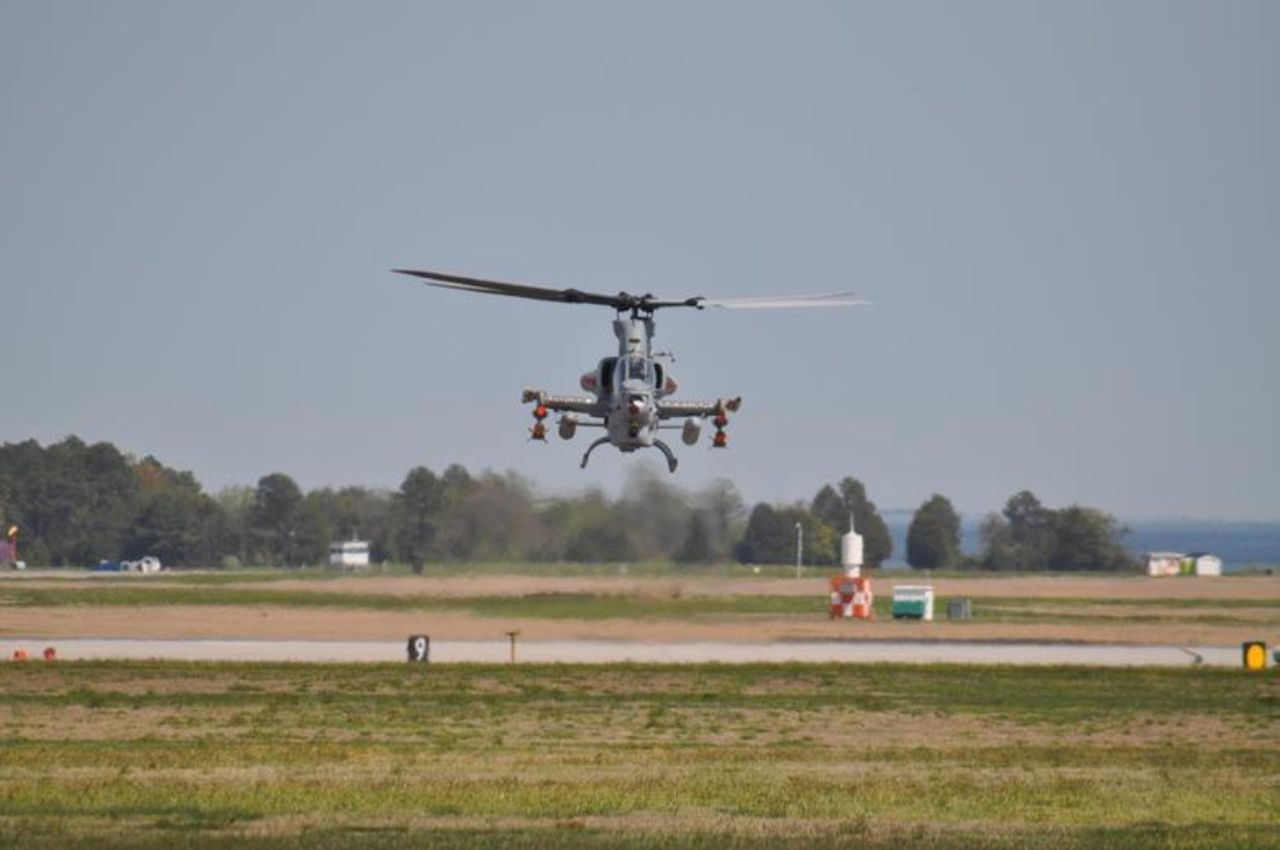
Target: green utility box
point(913, 602)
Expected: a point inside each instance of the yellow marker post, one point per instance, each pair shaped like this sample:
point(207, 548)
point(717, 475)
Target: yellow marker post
point(1255, 654)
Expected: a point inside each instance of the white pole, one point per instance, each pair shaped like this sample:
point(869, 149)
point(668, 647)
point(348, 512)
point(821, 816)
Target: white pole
point(799, 547)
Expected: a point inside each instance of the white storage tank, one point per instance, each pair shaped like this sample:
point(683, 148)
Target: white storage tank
point(851, 551)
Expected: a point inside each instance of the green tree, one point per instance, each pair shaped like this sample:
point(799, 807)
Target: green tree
point(834, 506)
point(456, 479)
point(313, 530)
point(933, 537)
point(111, 494)
point(234, 537)
point(176, 521)
point(1022, 538)
point(1088, 539)
point(769, 537)
point(491, 518)
point(24, 476)
point(821, 541)
point(419, 508)
point(273, 519)
point(74, 502)
point(1029, 536)
point(697, 547)
point(178, 525)
point(725, 515)
point(656, 513)
point(604, 540)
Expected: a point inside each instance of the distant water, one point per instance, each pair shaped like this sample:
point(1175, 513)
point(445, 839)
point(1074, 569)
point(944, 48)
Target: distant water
point(1240, 545)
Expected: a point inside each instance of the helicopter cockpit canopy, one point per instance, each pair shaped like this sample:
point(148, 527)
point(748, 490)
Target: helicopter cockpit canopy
point(634, 369)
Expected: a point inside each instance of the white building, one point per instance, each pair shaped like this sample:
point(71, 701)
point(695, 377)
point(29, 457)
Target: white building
point(1178, 564)
point(1204, 564)
point(1164, 563)
point(349, 553)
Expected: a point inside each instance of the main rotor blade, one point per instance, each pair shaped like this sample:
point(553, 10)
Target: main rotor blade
point(520, 290)
point(624, 300)
point(834, 299)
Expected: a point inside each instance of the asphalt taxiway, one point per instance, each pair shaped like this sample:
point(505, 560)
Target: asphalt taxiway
point(607, 651)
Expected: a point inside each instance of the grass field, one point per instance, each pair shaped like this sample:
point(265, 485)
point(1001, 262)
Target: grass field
point(391, 756)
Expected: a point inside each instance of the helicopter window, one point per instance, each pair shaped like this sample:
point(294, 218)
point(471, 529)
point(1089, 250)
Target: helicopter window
point(658, 375)
point(638, 368)
point(606, 373)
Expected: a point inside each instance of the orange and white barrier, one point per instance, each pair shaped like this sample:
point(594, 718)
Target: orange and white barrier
point(851, 597)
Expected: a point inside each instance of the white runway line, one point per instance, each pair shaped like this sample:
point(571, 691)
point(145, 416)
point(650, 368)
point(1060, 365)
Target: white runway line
point(604, 651)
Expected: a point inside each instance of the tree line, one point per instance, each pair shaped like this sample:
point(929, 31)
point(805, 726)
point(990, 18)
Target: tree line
point(78, 503)
point(1025, 536)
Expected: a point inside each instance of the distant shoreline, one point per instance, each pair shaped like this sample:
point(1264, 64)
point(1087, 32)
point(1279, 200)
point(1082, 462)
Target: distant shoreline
point(1241, 544)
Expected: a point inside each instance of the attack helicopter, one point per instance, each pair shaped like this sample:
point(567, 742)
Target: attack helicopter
point(630, 391)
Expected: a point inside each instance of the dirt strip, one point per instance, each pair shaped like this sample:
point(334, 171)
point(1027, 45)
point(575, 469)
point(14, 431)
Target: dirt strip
point(814, 584)
point(266, 622)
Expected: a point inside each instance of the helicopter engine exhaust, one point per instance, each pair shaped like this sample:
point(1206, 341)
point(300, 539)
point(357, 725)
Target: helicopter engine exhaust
point(691, 431)
point(568, 426)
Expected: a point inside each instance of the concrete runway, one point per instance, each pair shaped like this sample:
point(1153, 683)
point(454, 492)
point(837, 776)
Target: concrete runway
point(602, 651)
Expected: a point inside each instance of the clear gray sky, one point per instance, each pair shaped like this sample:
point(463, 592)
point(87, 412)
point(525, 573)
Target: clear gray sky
point(1067, 215)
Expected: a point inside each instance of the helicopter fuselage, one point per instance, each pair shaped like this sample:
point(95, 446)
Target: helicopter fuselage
point(627, 401)
point(631, 398)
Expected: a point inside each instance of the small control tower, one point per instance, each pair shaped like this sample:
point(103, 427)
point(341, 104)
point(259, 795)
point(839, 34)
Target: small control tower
point(349, 554)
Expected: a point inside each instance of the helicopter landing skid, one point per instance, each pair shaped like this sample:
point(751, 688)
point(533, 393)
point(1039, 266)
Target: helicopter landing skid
point(672, 462)
point(587, 455)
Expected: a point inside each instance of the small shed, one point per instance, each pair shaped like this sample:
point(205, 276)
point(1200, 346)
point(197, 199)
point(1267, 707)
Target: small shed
point(1164, 563)
point(1204, 564)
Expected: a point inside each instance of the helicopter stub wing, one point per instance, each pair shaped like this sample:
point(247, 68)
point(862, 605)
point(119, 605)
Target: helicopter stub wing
point(567, 403)
point(675, 409)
